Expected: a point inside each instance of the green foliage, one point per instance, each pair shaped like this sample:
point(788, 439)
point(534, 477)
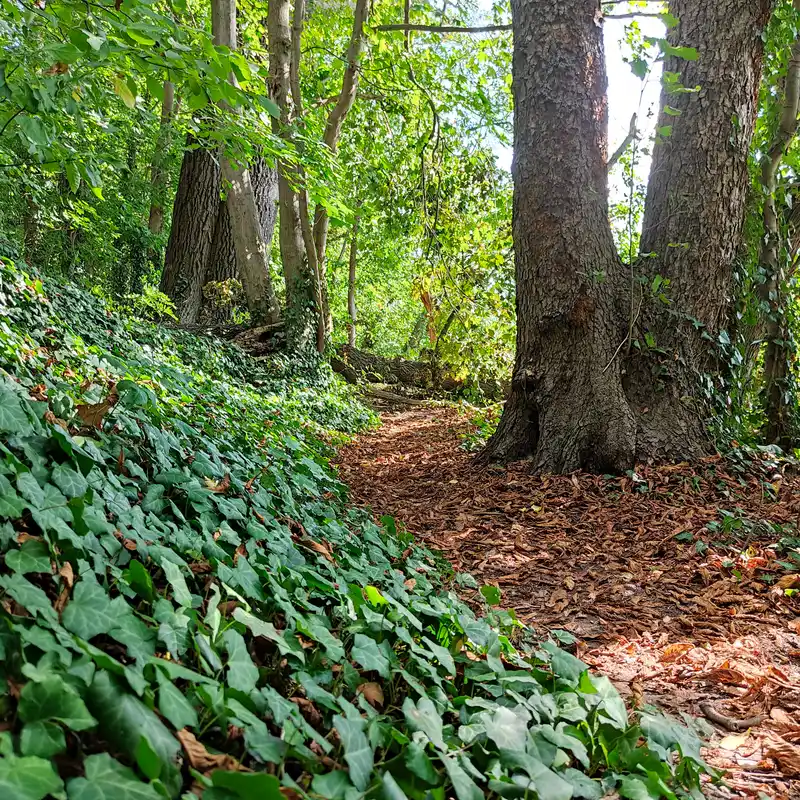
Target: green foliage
point(179, 555)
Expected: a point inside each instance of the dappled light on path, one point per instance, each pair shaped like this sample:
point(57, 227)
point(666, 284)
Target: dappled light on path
point(672, 579)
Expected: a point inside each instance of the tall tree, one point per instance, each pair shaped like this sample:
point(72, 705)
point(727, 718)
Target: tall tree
point(252, 257)
point(576, 400)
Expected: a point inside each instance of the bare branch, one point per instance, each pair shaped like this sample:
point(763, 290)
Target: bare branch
point(443, 28)
point(624, 146)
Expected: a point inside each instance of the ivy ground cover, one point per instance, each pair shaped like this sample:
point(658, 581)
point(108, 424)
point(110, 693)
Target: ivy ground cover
point(191, 608)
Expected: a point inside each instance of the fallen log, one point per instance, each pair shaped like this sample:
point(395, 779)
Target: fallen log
point(391, 397)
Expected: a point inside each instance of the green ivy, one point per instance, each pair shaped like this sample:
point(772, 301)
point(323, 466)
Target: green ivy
point(180, 557)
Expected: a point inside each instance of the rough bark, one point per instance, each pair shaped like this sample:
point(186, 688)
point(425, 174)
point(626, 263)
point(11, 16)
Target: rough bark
point(578, 310)
point(566, 408)
point(351, 285)
point(194, 217)
point(694, 214)
point(252, 261)
point(300, 295)
point(776, 358)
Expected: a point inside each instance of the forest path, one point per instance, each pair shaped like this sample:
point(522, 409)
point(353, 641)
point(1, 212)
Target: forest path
point(674, 613)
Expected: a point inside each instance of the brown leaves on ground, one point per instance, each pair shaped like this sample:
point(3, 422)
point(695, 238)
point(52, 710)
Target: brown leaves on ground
point(373, 694)
point(219, 487)
point(93, 414)
point(200, 759)
point(670, 621)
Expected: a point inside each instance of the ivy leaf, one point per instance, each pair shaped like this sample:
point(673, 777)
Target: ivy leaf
point(424, 717)
point(242, 672)
point(333, 786)
point(259, 627)
point(249, 785)
point(491, 594)
point(369, 655)
point(11, 504)
point(463, 786)
point(635, 788)
point(357, 752)
point(13, 418)
point(124, 719)
point(107, 779)
point(174, 705)
point(89, 613)
point(53, 699)
point(30, 597)
point(391, 789)
point(29, 488)
point(71, 483)
point(507, 728)
point(42, 739)
point(28, 778)
point(418, 762)
point(178, 583)
point(32, 556)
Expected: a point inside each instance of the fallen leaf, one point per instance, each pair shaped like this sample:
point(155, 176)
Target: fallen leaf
point(733, 741)
point(201, 759)
point(94, 413)
point(219, 487)
point(373, 694)
point(787, 755)
point(672, 652)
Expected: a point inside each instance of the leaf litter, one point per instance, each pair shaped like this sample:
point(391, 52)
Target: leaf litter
point(669, 580)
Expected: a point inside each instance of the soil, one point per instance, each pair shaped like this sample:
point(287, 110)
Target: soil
point(671, 578)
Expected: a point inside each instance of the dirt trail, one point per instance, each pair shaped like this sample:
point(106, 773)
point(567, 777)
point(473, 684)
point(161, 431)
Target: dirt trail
point(675, 614)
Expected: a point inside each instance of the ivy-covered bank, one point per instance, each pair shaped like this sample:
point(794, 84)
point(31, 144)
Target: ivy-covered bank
point(190, 607)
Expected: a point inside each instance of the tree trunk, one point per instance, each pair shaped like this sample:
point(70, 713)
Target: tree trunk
point(158, 172)
point(333, 129)
point(300, 294)
point(577, 308)
point(776, 358)
point(252, 260)
point(193, 221)
point(351, 285)
point(694, 216)
point(566, 407)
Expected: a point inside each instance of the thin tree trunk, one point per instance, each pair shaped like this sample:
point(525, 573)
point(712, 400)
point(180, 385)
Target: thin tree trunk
point(694, 216)
point(299, 279)
point(158, 172)
point(194, 218)
point(251, 256)
point(416, 332)
point(333, 129)
point(566, 408)
point(776, 358)
point(351, 284)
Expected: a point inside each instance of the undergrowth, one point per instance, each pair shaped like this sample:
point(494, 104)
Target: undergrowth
point(191, 607)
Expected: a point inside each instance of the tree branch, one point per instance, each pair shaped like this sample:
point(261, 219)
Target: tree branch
point(443, 28)
point(624, 146)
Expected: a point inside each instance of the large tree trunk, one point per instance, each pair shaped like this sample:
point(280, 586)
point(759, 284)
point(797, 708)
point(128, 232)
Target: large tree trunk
point(577, 308)
point(566, 407)
point(252, 260)
point(194, 217)
point(299, 279)
point(693, 221)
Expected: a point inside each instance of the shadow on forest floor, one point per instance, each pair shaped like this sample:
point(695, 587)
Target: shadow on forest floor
point(673, 579)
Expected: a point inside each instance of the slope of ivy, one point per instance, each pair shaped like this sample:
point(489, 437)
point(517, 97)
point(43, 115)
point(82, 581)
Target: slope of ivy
point(190, 608)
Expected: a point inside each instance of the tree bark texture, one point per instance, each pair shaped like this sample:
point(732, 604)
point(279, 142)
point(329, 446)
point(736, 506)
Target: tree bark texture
point(252, 259)
point(193, 221)
point(566, 408)
point(694, 216)
point(300, 294)
point(576, 401)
